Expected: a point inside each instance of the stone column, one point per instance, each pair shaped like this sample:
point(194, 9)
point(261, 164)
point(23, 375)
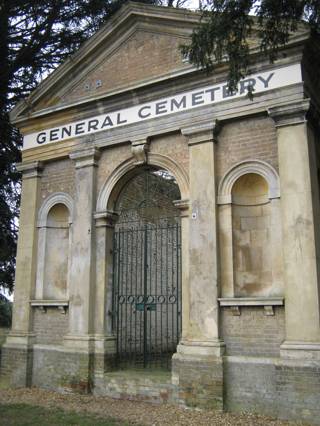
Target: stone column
point(82, 266)
point(197, 368)
point(203, 330)
point(21, 337)
point(300, 214)
point(105, 343)
point(183, 206)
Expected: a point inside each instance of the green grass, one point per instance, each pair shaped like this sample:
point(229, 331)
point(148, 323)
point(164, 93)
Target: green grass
point(25, 415)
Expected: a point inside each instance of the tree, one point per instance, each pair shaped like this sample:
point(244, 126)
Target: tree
point(227, 25)
point(5, 312)
point(36, 37)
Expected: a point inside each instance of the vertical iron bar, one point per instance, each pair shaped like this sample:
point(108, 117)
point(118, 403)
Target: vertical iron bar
point(145, 289)
point(161, 291)
point(135, 293)
point(118, 298)
point(141, 316)
point(167, 286)
point(150, 316)
point(172, 288)
point(114, 279)
point(130, 304)
point(177, 280)
point(156, 293)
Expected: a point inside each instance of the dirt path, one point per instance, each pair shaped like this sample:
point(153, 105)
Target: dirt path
point(134, 412)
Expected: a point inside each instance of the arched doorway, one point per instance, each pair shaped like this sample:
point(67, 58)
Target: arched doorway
point(147, 270)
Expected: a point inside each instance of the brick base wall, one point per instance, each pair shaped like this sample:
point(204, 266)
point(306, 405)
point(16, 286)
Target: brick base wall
point(253, 333)
point(280, 388)
point(58, 369)
point(149, 386)
point(199, 381)
point(16, 366)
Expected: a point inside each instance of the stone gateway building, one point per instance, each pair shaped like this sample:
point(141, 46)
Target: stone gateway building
point(169, 229)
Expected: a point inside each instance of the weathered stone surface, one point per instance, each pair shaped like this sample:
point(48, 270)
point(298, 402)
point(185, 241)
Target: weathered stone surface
point(247, 173)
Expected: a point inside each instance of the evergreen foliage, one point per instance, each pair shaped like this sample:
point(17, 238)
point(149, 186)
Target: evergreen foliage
point(36, 36)
point(5, 312)
point(227, 25)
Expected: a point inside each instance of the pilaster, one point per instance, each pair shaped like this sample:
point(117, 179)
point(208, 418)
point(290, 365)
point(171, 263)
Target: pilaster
point(197, 368)
point(203, 330)
point(82, 267)
point(17, 351)
point(104, 340)
point(26, 254)
point(299, 213)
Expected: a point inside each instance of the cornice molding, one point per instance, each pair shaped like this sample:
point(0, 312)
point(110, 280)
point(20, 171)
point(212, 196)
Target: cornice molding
point(289, 114)
point(30, 169)
point(202, 132)
point(87, 157)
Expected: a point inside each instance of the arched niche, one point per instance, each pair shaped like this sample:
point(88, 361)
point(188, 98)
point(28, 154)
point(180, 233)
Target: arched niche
point(54, 243)
point(250, 231)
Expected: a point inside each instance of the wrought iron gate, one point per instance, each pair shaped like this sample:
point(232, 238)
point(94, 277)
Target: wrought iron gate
point(146, 287)
point(147, 297)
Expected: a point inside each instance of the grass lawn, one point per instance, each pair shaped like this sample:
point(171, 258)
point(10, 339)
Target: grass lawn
point(25, 415)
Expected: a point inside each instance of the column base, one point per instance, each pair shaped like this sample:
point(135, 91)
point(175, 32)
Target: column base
point(300, 350)
point(79, 343)
point(197, 374)
point(17, 359)
point(20, 339)
point(215, 348)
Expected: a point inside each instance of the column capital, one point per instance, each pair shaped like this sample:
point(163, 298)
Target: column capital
point(202, 132)
point(86, 157)
point(289, 114)
point(30, 169)
point(105, 219)
point(183, 206)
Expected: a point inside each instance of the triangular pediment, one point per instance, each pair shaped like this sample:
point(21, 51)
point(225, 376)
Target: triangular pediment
point(139, 45)
point(142, 56)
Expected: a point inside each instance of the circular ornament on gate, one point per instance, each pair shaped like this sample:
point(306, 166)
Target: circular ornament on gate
point(150, 299)
point(122, 299)
point(131, 299)
point(161, 299)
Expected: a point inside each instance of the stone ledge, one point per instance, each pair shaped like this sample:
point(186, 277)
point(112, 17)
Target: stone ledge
point(43, 304)
point(235, 303)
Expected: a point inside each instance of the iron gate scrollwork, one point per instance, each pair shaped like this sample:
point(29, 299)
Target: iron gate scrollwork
point(147, 271)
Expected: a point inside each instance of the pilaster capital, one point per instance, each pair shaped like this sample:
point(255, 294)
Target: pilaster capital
point(289, 114)
point(202, 132)
point(30, 169)
point(86, 157)
point(183, 206)
point(139, 149)
point(105, 219)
